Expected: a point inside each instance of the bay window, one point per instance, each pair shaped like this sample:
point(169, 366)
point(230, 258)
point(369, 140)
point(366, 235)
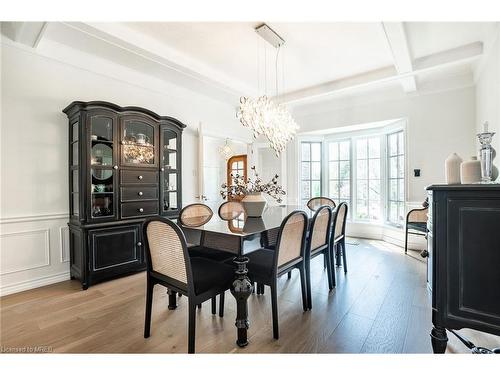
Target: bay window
point(365, 169)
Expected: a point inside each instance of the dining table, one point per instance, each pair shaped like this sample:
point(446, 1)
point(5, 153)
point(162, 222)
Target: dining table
point(241, 236)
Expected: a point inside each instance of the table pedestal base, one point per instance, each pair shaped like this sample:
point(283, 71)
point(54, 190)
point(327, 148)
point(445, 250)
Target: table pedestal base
point(241, 289)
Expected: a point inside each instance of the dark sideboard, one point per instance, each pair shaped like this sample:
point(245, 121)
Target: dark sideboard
point(124, 166)
point(464, 259)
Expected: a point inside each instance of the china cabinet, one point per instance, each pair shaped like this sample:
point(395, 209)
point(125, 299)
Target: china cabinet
point(124, 165)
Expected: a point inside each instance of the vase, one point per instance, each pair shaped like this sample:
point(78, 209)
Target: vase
point(470, 171)
point(254, 204)
point(452, 169)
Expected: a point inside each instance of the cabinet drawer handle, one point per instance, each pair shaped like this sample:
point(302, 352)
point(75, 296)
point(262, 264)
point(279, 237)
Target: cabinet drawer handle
point(139, 177)
point(139, 243)
point(141, 209)
point(115, 167)
point(140, 193)
point(122, 142)
point(163, 169)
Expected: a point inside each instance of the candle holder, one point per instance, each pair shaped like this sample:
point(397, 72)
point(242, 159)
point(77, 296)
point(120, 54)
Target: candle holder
point(486, 155)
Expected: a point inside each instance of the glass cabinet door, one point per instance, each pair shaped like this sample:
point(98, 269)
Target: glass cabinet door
point(103, 167)
point(170, 171)
point(138, 143)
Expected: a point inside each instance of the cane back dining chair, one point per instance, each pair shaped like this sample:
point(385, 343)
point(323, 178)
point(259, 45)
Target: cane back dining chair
point(169, 264)
point(338, 236)
point(209, 244)
point(317, 202)
point(318, 243)
point(231, 210)
point(416, 223)
point(266, 265)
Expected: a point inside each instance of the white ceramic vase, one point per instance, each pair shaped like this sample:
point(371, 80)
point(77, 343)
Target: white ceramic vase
point(470, 171)
point(452, 169)
point(254, 204)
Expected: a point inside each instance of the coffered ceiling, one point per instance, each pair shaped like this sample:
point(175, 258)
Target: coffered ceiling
point(318, 60)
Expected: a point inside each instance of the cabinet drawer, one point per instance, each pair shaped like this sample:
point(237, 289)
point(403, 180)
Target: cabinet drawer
point(138, 193)
point(134, 209)
point(139, 177)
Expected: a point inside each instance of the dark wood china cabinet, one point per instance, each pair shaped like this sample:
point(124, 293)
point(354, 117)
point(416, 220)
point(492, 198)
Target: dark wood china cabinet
point(124, 166)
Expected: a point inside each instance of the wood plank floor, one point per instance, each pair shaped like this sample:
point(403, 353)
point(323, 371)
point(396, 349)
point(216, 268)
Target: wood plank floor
point(381, 306)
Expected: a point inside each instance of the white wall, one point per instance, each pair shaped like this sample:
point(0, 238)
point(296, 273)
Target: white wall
point(488, 93)
point(34, 151)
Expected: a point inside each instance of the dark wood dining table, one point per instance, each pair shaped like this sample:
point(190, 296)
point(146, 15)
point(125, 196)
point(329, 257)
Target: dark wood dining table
point(241, 236)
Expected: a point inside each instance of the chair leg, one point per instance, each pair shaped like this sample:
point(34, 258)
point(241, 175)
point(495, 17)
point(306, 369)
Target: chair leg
point(191, 328)
point(221, 304)
point(289, 275)
point(149, 307)
point(274, 305)
point(214, 307)
point(303, 287)
point(329, 269)
point(253, 289)
point(324, 262)
point(344, 256)
point(172, 301)
point(406, 239)
point(199, 305)
point(337, 254)
point(307, 268)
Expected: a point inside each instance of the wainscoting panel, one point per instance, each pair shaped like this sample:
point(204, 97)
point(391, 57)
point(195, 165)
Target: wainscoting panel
point(24, 251)
point(34, 252)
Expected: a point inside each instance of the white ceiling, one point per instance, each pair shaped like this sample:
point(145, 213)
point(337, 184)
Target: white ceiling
point(319, 60)
point(313, 52)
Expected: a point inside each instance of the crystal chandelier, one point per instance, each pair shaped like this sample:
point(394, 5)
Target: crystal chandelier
point(226, 151)
point(262, 115)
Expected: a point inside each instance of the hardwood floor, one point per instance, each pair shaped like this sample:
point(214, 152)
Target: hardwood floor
point(381, 306)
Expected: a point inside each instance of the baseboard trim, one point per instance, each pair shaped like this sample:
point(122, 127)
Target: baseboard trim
point(34, 283)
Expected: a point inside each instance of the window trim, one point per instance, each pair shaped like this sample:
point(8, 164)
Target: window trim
point(321, 161)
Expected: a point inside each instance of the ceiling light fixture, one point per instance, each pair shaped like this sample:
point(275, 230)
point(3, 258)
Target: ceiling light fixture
point(226, 151)
point(262, 115)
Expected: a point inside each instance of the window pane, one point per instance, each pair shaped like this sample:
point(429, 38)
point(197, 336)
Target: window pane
point(393, 212)
point(316, 151)
point(374, 147)
point(344, 150)
point(374, 190)
point(306, 171)
point(374, 168)
point(306, 151)
point(305, 191)
point(374, 210)
point(316, 171)
point(333, 151)
point(345, 189)
point(316, 188)
point(333, 188)
point(393, 167)
point(361, 148)
point(334, 170)
point(362, 170)
point(362, 189)
point(393, 190)
point(402, 190)
point(401, 166)
point(393, 144)
point(362, 209)
point(345, 169)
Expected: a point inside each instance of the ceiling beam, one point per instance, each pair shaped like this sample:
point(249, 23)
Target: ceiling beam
point(456, 56)
point(398, 44)
point(27, 33)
